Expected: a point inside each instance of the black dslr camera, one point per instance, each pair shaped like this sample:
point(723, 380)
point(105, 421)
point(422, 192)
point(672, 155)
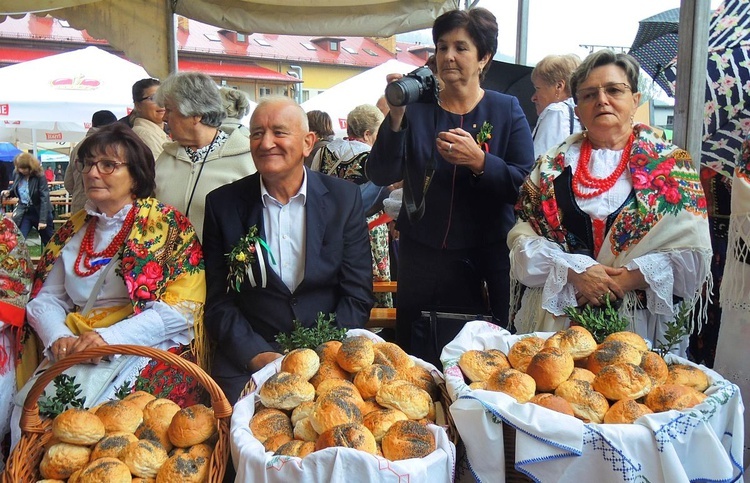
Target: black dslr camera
point(419, 85)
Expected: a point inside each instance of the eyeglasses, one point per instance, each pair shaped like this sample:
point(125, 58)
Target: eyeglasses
point(612, 91)
point(149, 98)
point(104, 166)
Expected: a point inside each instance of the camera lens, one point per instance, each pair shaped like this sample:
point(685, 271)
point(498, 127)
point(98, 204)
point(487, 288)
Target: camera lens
point(404, 91)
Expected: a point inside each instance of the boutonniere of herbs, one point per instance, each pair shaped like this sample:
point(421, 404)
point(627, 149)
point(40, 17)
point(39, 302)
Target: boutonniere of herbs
point(248, 251)
point(484, 135)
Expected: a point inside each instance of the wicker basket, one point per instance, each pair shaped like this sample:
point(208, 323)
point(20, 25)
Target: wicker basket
point(23, 462)
point(512, 475)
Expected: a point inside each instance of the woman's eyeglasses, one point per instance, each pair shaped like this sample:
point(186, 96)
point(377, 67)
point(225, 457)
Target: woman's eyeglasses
point(612, 91)
point(104, 166)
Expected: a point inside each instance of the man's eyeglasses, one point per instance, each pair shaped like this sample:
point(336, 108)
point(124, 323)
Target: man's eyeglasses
point(104, 166)
point(149, 98)
point(612, 91)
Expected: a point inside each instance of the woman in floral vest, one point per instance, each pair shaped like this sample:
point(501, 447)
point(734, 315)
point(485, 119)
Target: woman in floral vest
point(615, 213)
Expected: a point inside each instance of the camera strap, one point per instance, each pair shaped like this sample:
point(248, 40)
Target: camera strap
point(413, 211)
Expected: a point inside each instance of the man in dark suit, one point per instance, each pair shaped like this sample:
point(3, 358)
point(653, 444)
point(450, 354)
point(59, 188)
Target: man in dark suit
point(319, 260)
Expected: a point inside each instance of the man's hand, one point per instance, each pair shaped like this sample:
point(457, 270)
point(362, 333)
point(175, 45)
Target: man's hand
point(595, 284)
point(259, 362)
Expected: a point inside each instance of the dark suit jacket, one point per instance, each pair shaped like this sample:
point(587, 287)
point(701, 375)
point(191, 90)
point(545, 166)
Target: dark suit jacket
point(338, 273)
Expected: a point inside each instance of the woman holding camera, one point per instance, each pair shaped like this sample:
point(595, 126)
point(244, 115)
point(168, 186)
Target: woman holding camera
point(463, 157)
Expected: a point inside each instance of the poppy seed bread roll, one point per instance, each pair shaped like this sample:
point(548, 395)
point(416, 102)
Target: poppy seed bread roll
point(523, 350)
point(407, 439)
point(478, 365)
point(184, 468)
point(267, 422)
point(296, 448)
point(78, 426)
point(144, 458)
point(160, 409)
point(378, 422)
point(622, 381)
point(304, 430)
point(62, 459)
point(687, 376)
point(655, 367)
point(406, 397)
point(391, 355)
point(109, 470)
point(576, 340)
point(333, 409)
point(120, 416)
point(588, 405)
point(139, 399)
point(666, 397)
point(625, 411)
point(329, 370)
point(192, 425)
point(112, 445)
point(512, 382)
point(553, 402)
point(629, 338)
point(550, 367)
point(369, 379)
point(302, 411)
point(303, 362)
point(612, 352)
point(355, 354)
point(327, 351)
point(353, 435)
point(581, 374)
point(155, 430)
point(285, 391)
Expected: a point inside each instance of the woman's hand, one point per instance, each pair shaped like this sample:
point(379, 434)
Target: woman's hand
point(396, 112)
point(88, 340)
point(41, 226)
point(62, 347)
point(629, 280)
point(458, 147)
point(259, 362)
point(595, 284)
point(4, 193)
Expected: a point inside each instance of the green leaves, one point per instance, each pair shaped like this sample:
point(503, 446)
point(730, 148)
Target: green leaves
point(677, 329)
point(66, 397)
point(600, 321)
point(311, 337)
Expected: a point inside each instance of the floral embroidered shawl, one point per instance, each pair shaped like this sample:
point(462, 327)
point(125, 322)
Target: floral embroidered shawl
point(162, 259)
point(15, 282)
point(668, 211)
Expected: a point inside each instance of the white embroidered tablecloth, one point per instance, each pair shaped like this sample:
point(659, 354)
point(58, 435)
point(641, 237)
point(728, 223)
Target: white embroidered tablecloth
point(700, 444)
point(336, 464)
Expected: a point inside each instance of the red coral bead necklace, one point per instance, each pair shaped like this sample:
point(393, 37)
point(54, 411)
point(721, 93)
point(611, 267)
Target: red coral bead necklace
point(584, 178)
point(86, 254)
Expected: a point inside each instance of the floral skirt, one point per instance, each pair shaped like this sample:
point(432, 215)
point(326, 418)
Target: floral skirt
point(381, 265)
point(164, 381)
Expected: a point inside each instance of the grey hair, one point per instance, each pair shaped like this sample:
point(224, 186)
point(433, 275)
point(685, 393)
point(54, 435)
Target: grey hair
point(362, 119)
point(555, 68)
point(283, 101)
point(193, 94)
point(236, 103)
point(599, 58)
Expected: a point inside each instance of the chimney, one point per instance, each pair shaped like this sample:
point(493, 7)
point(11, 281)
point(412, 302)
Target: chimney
point(183, 24)
point(388, 43)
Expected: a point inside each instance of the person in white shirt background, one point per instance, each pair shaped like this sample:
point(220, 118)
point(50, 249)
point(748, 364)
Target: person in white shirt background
point(553, 101)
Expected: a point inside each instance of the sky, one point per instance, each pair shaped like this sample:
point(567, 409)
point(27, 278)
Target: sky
point(560, 26)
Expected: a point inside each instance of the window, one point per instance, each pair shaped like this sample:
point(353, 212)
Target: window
point(308, 45)
point(242, 38)
point(333, 45)
point(212, 37)
point(262, 42)
point(370, 52)
point(264, 91)
point(670, 120)
point(351, 50)
point(305, 95)
point(63, 23)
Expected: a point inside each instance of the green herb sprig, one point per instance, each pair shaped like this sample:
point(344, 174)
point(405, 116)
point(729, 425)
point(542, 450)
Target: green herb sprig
point(241, 257)
point(123, 391)
point(600, 321)
point(677, 329)
point(301, 337)
point(485, 133)
point(66, 397)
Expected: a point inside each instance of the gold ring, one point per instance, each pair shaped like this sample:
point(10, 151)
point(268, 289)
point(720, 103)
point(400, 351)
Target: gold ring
point(450, 147)
point(64, 349)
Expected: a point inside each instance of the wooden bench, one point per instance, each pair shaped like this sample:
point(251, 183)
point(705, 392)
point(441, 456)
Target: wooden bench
point(383, 318)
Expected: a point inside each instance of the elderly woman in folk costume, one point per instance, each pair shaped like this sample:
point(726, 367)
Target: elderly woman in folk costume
point(732, 360)
point(126, 270)
point(614, 213)
point(15, 283)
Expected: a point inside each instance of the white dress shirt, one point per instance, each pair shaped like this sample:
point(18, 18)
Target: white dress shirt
point(285, 232)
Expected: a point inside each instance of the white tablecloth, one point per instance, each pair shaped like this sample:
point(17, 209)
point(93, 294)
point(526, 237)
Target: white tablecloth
point(700, 444)
point(254, 464)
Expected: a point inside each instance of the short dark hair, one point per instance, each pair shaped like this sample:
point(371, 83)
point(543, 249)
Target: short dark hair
point(320, 123)
point(140, 87)
point(480, 24)
point(599, 58)
point(117, 137)
point(102, 118)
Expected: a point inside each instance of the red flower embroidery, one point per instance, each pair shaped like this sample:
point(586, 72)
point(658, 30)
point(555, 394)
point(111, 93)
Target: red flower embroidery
point(152, 271)
point(641, 179)
point(549, 208)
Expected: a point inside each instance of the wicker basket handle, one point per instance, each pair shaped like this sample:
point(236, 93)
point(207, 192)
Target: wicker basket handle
point(32, 422)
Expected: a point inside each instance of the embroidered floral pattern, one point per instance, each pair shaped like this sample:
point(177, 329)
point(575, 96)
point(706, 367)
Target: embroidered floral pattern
point(243, 256)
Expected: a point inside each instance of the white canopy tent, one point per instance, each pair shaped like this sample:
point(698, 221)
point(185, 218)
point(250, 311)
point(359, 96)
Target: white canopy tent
point(53, 98)
point(364, 88)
